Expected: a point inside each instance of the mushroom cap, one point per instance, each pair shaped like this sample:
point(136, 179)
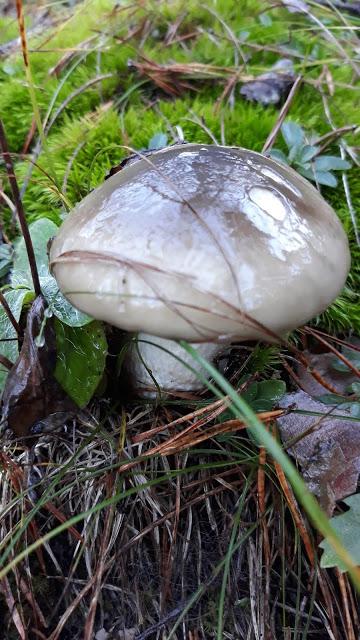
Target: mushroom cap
point(202, 243)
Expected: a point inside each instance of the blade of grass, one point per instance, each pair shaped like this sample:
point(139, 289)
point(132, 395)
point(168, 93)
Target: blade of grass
point(242, 410)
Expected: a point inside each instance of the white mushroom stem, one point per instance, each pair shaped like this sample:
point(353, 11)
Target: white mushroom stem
point(170, 374)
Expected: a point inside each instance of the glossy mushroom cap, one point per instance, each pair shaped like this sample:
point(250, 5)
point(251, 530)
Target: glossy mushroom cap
point(203, 243)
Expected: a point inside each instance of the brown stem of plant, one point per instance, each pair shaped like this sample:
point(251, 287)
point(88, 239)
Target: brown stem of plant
point(19, 209)
point(6, 362)
point(9, 313)
point(332, 136)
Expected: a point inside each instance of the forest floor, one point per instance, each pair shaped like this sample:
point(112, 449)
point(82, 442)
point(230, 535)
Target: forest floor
point(180, 519)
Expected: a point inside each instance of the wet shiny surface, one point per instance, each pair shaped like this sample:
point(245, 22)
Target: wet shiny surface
point(193, 237)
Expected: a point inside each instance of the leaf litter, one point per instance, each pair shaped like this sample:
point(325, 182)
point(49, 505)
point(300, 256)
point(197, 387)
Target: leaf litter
point(31, 393)
point(324, 438)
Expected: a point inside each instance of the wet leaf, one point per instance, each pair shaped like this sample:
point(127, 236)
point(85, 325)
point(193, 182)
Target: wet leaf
point(31, 392)
point(41, 231)
point(81, 359)
point(347, 526)
point(61, 308)
point(326, 446)
point(9, 346)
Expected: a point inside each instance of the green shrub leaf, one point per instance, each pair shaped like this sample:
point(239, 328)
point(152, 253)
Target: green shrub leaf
point(262, 396)
point(326, 178)
point(81, 359)
point(292, 133)
point(41, 231)
point(347, 526)
point(331, 163)
point(308, 152)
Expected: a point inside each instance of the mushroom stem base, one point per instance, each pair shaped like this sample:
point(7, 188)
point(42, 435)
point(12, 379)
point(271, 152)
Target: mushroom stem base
point(147, 363)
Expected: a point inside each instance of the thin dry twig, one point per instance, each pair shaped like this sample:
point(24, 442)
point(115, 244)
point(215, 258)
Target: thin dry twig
point(9, 313)
point(20, 209)
point(282, 115)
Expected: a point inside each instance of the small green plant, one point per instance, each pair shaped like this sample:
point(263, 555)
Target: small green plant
point(81, 341)
point(306, 157)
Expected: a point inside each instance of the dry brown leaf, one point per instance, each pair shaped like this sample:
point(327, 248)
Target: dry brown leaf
point(31, 393)
point(329, 455)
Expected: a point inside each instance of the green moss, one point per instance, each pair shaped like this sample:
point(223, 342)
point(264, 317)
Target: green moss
point(88, 135)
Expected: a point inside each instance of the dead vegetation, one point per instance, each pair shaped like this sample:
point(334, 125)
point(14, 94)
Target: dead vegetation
point(132, 521)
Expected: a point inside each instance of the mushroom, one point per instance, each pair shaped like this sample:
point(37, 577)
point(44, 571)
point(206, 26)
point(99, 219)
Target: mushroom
point(203, 243)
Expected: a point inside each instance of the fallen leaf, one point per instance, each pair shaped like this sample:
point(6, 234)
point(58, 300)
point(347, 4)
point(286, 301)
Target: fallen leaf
point(31, 392)
point(326, 365)
point(347, 526)
point(272, 87)
point(329, 455)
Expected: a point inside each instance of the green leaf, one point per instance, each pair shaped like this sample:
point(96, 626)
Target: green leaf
point(271, 390)
point(278, 155)
point(9, 346)
point(262, 396)
point(158, 141)
point(61, 308)
point(308, 152)
point(41, 231)
point(81, 359)
point(292, 133)
point(251, 393)
point(306, 172)
point(326, 178)
point(347, 527)
point(295, 153)
point(331, 163)
point(6, 257)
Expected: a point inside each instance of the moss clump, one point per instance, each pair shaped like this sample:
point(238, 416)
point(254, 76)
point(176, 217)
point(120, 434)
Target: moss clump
point(98, 104)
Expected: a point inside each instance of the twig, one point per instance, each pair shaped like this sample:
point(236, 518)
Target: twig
point(9, 313)
point(331, 136)
point(338, 353)
point(6, 362)
point(282, 115)
point(19, 209)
